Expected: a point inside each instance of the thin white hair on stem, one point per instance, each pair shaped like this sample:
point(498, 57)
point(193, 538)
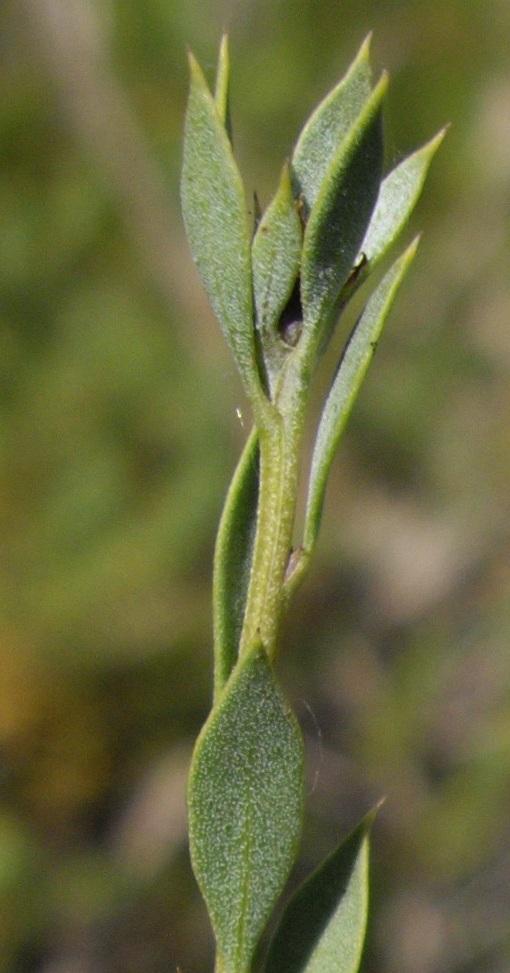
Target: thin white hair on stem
point(318, 745)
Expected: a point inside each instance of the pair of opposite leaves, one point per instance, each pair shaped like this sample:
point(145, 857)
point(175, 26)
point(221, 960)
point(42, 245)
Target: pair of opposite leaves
point(246, 779)
point(336, 175)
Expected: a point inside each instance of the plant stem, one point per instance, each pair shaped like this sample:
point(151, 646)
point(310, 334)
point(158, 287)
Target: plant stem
point(273, 541)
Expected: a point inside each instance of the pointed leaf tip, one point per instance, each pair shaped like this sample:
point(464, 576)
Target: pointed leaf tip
point(340, 215)
point(382, 84)
point(329, 125)
point(195, 69)
point(399, 193)
point(410, 252)
point(221, 91)
point(362, 56)
point(435, 142)
point(367, 42)
point(216, 220)
point(323, 927)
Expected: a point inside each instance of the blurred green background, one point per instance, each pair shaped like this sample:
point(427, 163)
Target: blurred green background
point(119, 430)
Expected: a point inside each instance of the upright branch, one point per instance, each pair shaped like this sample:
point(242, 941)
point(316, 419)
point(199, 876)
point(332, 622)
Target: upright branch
point(278, 289)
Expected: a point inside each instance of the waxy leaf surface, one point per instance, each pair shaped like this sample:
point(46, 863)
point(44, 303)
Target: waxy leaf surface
point(245, 807)
point(344, 390)
point(323, 927)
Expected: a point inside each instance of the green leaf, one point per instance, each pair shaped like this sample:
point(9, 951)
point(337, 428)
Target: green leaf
point(216, 222)
point(329, 124)
point(276, 252)
point(353, 366)
point(232, 561)
point(323, 927)
point(339, 218)
point(221, 91)
point(245, 807)
point(399, 193)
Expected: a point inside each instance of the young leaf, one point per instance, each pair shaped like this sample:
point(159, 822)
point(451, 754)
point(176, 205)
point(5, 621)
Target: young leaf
point(216, 222)
point(276, 252)
point(221, 90)
point(323, 927)
point(245, 807)
point(397, 198)
point(329, 124)
point(339, 218)
point(232, 561)
point(351, 372)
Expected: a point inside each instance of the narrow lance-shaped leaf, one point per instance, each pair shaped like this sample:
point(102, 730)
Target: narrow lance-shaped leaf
point(276, 252)
point(329, 124)
point(232, 561)
point(245, 807)
point(399, 193)
point(216, 221)
point(351, 372)
point(323, 927)
point(339, 218)
point(221, 90)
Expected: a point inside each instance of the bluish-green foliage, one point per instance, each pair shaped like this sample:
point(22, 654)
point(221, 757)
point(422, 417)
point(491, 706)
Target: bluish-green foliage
point(119, 430)
point(304, 264)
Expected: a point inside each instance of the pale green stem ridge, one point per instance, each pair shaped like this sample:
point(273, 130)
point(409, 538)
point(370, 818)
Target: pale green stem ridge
point(273, 541)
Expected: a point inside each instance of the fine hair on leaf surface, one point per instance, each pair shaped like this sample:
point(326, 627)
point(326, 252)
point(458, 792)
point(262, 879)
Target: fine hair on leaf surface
point(277, 290)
